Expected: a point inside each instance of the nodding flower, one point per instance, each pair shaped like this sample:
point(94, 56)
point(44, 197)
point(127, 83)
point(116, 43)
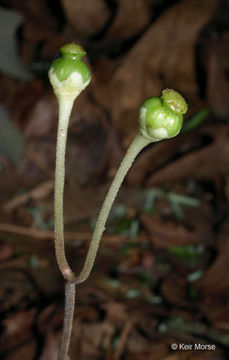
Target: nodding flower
point(162, 117)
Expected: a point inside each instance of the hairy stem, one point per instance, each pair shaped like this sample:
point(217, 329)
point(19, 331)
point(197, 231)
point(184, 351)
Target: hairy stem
point(65, 107)
point(68, 319)
point(137, 145)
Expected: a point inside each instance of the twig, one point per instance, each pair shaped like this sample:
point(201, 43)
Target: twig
point(40, 192)
point(122, 340)
point(44, 235)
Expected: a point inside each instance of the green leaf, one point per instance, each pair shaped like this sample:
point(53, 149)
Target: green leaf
point(176, 200)
point(188, 254)
point(196, 120)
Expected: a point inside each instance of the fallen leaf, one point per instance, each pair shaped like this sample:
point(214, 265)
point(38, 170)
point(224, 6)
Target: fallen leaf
point(166, 233)
point(130, 19)
point(38, 11)
point(16, 290)
point(116, 313)
point(174, 291)
point(214, 282)
point(88, 129)
point(10, 181)
point(26, 351)
point(205, 163)
point(51, 346)
point(87, 339)
point(41, 118)
point(139, 348)
point(17, 328)
point(217, 77)
point(152, 158)
point(216, 311)
point(41, 191)
point(163, 57)
point(6, 251)
point(188, 355)
point(87, 17)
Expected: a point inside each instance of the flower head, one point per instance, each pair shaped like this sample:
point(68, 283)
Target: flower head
point(69, 75)
point(162, 117)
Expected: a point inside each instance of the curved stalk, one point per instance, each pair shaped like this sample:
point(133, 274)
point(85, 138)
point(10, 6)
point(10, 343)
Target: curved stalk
point(68, 319)
point(152, 128)
point(65, 107)
point(137, 145)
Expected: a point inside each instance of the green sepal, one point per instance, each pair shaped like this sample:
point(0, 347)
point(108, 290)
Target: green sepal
point(65, 66)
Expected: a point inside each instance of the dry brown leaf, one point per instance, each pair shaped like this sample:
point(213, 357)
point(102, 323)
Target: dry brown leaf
point(41, 118)
point(174, 291)
point(40, 192)
point(165, 233)
point(36, 11)
point(26, 351)
point(195, 355)
point(153, 350)
point(86, 313)
point(44, 318)
point(122, 339)
point(156, 349)
point(163, 57)
point(28, 92)
point(207, 163)
point(131, 18)
point(87, 133)
point(217, 77)
point(116, 313)
point(49, 320)
point(87, 17)
point(16, 290)
point(35, 32)
point(10, 181)
point(131, 259)
point(152, 158)
point(126, 284)
point(89, 339)
point(30, 170)
point(17, 329)
point(136, 342)
point(51, 346)
point(6, 251)
point(216, 311)
point(214, 281)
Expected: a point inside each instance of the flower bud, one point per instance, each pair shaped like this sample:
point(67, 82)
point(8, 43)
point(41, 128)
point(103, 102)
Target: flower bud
point(69, 75)
point(162, 118)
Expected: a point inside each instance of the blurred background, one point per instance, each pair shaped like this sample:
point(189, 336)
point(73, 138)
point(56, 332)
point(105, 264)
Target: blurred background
point(161, 274)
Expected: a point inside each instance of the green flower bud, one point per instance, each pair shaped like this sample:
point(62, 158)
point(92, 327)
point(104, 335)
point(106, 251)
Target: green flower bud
point(69, 75)
point(162, 118)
